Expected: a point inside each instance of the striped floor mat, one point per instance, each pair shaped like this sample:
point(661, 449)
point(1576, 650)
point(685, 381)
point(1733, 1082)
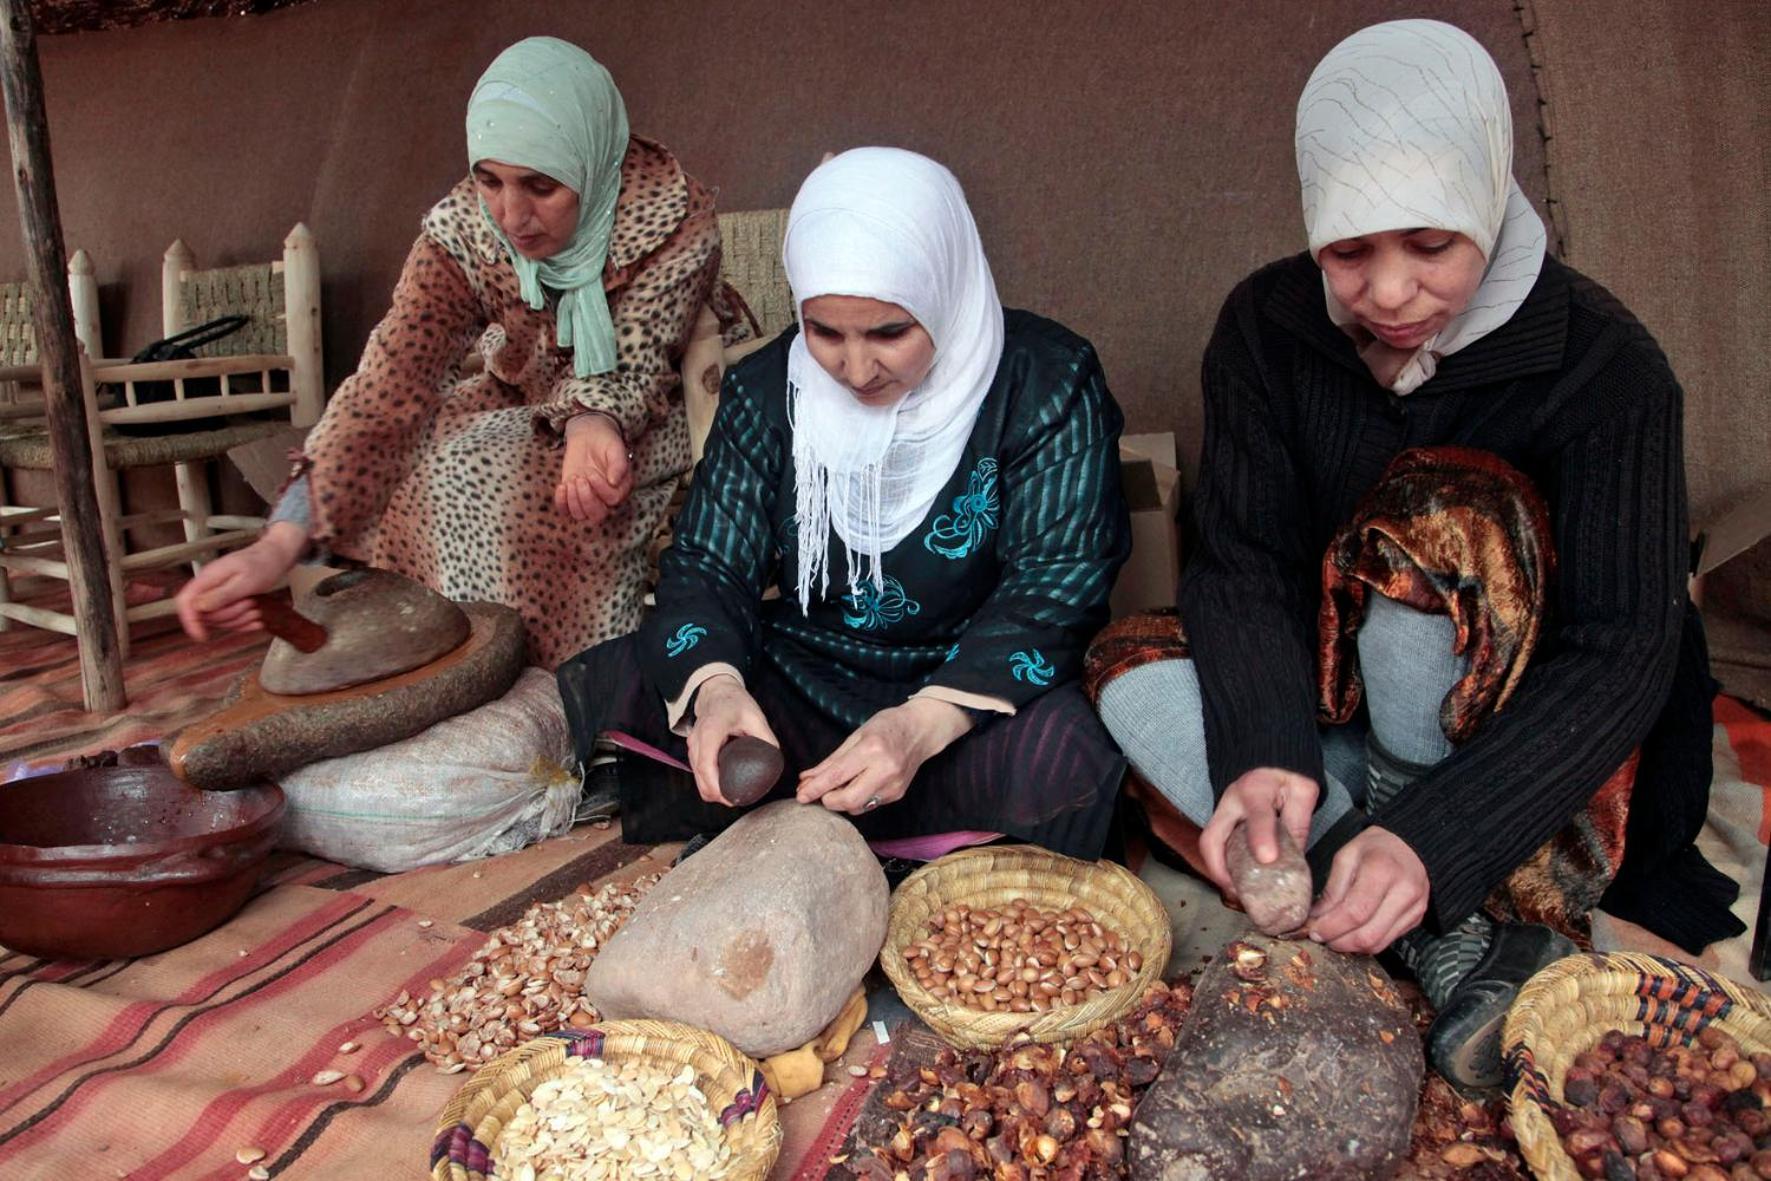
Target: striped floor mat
point(164, 1067)
point(169, 679)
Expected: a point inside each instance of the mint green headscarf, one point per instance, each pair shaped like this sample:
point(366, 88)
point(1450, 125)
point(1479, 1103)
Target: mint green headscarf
point(547, 105)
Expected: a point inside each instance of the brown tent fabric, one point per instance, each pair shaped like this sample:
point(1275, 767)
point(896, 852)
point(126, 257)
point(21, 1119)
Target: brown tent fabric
point(1127, 163)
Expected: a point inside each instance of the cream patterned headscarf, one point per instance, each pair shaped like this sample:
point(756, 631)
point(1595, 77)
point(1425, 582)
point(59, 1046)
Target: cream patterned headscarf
point(546, 104)
point(1405, 125)
point(885, 224)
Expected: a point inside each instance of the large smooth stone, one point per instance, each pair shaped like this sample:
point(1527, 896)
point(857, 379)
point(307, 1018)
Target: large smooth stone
point(378, 625)
point(760, 937)
point(1303, 1064)
point(258, 735)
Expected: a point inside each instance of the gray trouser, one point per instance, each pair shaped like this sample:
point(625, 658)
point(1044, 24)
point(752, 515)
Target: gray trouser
point(1406, 660)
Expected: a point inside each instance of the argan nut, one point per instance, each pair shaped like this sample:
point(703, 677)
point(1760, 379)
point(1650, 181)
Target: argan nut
point(354, 1083)
point(748, 768)
point(1670, 1163)
point(249, 1155)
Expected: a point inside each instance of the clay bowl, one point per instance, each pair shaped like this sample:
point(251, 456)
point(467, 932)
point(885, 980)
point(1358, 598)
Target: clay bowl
point(121, 861)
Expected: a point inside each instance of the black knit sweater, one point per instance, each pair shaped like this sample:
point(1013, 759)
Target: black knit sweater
point(1573, 392)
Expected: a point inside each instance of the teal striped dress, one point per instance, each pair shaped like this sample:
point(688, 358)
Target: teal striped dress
point(996, 594)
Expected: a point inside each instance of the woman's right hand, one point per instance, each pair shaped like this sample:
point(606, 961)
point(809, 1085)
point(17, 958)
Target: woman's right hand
point(1262, 798)
point(220, 596)
point(723, 710)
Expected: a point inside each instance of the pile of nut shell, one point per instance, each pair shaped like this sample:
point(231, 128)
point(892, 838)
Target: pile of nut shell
point(1020, 959)
point(1635, 1112)
point(1028, 1112)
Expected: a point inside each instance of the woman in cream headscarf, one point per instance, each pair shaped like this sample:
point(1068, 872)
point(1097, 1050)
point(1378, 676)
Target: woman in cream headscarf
point(1485, 446)
point(578, 257)
point(933, 484)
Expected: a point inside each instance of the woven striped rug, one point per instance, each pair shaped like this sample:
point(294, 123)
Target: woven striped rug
point(164, 1067)
point(170, 681)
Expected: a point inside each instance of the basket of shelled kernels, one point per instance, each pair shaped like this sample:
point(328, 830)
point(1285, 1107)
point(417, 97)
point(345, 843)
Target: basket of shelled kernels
point(624, 1099)
point(987, 945)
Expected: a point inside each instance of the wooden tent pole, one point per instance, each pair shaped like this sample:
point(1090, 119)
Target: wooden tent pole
point(27, 127)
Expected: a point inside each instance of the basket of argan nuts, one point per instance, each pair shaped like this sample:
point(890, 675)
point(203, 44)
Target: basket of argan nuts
point(1630, 1065)
point(645, 1099)
point(995, 944)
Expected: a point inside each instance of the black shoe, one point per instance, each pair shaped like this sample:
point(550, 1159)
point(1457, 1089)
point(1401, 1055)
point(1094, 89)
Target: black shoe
point(896, 869)
point(601, 797)
point(1463, 1044)
point(693, 846)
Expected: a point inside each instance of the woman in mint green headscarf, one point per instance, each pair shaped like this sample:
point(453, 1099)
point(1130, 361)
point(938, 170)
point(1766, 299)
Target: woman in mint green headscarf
point(578, 257)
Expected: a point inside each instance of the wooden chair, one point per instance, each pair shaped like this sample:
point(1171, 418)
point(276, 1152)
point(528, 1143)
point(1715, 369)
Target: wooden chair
point(750, 260)
point(21, 391)
point(21, 394)
point(271, 367)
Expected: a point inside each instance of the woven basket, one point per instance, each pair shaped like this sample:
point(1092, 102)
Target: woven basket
point(468, 1129)
point(993, 877)
point(1567, 1007)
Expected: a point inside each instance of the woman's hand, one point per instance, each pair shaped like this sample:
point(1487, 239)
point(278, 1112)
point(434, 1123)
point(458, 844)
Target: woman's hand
point(220, 595)
point(1260, 798)
point(723, 709)
point(596, 475)
point(876, 763)
point(1377, 892)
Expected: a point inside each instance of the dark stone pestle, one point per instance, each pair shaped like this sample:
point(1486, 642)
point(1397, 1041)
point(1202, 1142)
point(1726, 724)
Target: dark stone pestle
point(748, 768)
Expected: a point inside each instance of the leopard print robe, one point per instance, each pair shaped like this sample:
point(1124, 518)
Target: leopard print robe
point(449, 478)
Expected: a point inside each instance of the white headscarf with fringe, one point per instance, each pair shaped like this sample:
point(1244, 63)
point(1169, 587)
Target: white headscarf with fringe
point(1405, 125)
point(885, 224)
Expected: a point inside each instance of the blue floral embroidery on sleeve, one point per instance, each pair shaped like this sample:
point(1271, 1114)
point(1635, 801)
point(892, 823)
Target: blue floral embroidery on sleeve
point(687, 636)
point(1032, 667)
point(951, 654)
point(871, 608)
point(974, 514)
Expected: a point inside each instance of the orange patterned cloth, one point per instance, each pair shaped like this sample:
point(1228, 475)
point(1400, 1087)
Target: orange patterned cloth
point(1449, 531)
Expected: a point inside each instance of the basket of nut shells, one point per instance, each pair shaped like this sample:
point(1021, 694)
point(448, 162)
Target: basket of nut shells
point(994, 944)
point(621, 1099)
point(1630, 1065)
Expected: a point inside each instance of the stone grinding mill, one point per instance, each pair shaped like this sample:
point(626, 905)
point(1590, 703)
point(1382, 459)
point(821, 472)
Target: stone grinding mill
point(362, 659)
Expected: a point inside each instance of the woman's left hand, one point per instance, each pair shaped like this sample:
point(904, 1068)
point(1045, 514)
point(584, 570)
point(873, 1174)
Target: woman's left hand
point(876, 763)
point(596, 475)
point(1377, 892)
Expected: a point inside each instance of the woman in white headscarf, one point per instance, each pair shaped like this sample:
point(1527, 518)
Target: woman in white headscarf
point(578, 257)
point(1437, 596)
point(933, 485)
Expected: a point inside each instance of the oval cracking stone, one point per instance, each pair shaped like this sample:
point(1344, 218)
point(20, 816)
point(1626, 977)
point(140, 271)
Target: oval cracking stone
point(748, 768)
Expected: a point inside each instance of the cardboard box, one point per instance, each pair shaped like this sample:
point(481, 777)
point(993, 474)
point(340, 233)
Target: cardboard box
point(1732, 584)
point(1152, 483)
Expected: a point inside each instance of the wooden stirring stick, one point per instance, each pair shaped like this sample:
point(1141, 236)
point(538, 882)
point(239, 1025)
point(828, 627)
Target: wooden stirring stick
point(282, 620)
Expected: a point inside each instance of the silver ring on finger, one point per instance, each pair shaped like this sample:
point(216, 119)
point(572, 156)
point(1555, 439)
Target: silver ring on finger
point(871, 804)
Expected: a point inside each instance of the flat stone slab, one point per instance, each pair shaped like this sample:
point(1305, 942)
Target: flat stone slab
point(378, 625)
point(259, 735)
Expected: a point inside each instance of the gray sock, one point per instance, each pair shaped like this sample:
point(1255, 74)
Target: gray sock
point(1407, 665)
point(1154, 713)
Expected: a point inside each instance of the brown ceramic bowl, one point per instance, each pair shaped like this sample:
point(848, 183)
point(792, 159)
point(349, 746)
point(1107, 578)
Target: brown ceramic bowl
point(112, 862)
